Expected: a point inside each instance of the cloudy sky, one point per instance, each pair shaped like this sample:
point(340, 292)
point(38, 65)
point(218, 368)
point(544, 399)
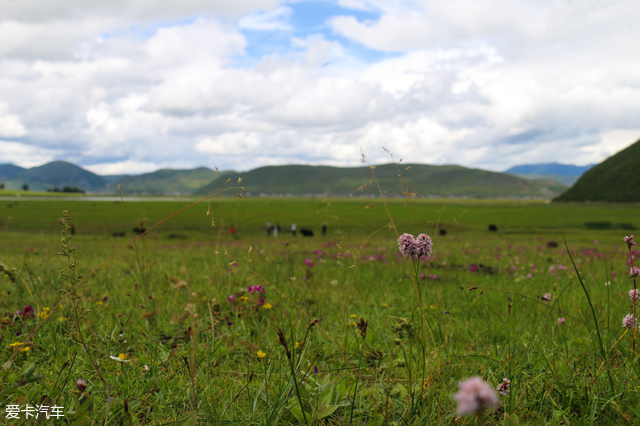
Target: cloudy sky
point(129, 86)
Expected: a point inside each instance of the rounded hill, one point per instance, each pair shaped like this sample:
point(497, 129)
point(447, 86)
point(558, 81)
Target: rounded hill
point(616, 179)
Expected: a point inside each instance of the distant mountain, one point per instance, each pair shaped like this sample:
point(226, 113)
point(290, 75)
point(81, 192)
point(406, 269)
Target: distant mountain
point(9, 171)
point(56, 174)
point(547, 169)
point(166, 181)
point(615, 179)
point(566, 174)
point(426, 179)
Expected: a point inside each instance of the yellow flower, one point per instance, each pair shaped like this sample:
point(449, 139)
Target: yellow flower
point(61, 319)
point(44, 313)
point(244, 299)
point(267, 305)
point(353, 316)
point(122, 357)
point(99, 302)
point(385, 305)
point(261, 354)
point(296, 345)
point(24, 349)
point(433, 306)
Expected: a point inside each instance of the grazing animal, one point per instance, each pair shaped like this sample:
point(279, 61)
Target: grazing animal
point(493, 228)
point(139, 230)
point(306, 232)
point(442, 232)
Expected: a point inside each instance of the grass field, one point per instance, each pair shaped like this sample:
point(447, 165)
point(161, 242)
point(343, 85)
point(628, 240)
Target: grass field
point(174, 330)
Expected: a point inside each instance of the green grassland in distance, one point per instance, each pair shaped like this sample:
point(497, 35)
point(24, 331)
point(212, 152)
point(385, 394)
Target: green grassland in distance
point(343, 216)
point(166, 181)
point(614, 180)
point(428, 180)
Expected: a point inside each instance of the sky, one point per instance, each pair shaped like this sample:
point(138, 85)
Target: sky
point(131, 86)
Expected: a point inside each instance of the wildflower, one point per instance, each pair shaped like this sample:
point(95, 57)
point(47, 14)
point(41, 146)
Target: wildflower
point(229, 323)
point(231, 298)
point(629, 241)
point(28, 311)
point(255, 289)
point(23, 349)
point(407, 245)
point(475, 395)
point(423, 276)
point(44, 313)
point(634, 271)
point(546, 297)
point(629, 321)
point(145, 368)
point(308, 262)
point(504, 387)
point(261, 354)
point(634, 294)
point(607, 283)
point(120, 358)
point(560, 321)
point(244, 299)
point(104, 299)
point(315, 369)
point(267, 305)
point(473, 268)
point(81, 386)
point(260, 302)
point(333, 282)
point(424, 245)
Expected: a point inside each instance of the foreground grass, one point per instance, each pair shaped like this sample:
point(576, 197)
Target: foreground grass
point(193, 354)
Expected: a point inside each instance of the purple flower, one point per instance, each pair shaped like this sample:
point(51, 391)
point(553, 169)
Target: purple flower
point(105, 298)
point(17, 313)
point(629, 241)
point(629, 321)
point(634, 271)
point(504, 387)
point(473, 268)
point(255, 289)
point(423, 276)
point(475, 395)
point(424, 245)
point(229, 323)
point(231, 298)
point(28, 311)
point(634, 294)
point(560, 321)
point(315, 369)
point(260, 302)
point(308, 262)
point(81, 385)
point(407, 245)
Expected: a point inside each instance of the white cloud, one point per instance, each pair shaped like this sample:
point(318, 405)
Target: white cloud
point(129, 86)
point(24, 155)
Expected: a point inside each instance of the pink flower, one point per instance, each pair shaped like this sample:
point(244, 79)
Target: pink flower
point(629, 321)
point(407, 245)
point(255, 289)
point(634, 294)
point(546, 297)
point(475, 395)
point(634, 271)
point(560, 321)
point(308, 262)
point(231, 298)
point(473, 268)
point(504, 387)
point(629, 241)
point(424, 245)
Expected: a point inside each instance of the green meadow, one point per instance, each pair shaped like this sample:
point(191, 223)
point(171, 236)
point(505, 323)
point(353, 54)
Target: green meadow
point(190, 324)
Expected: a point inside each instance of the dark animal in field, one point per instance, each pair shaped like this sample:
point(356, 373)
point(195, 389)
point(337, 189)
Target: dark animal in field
point(118, 234)
point(552, 244)
point(178, 236)
point(493, 228)
point(139, 230)
point(442, 232)
point(306, 232)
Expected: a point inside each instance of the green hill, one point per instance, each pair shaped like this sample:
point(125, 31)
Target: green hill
point(166, 181)
point(56, 174)
point(426, 179)
point(615, 179)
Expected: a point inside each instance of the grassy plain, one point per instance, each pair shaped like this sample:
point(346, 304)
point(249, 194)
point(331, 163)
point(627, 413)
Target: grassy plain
point(189, 354)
